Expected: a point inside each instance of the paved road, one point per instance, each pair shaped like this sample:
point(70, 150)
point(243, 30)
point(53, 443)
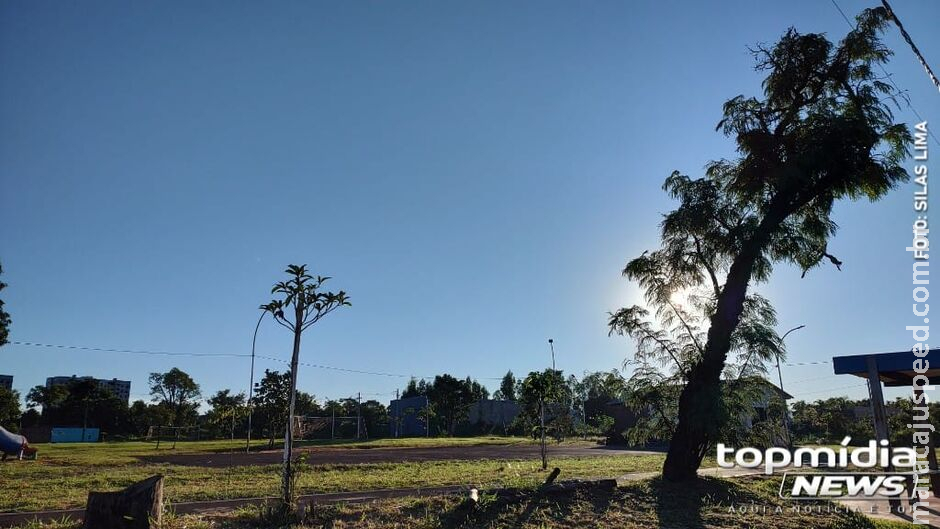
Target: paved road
point(353, 456)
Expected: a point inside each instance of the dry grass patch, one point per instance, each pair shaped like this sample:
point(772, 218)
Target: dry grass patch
point(710, 503)
point(52, 483)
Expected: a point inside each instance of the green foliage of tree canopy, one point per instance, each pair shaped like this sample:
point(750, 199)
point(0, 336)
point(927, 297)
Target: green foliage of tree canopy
point(821, 132)
point(270, 402)
point(374, 417)
point(178, 391)
point(830, 420)
point(539, 389)
point(590, 397)
point(81, 402)
point(9, 409)
point(226, 413)
point(450, 399)
point(507, 387)
point(141, 416)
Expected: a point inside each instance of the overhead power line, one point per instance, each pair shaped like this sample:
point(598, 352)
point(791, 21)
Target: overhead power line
point(910, 42)
point(853, 386)
point(816, 363)
point(229, 355)
point(824, 377)
point(125, 351)
point(343, 369)
point(888, 76)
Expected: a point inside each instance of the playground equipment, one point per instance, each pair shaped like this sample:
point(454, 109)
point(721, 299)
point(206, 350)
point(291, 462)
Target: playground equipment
point(13, 444)
point(173, 433)
point(329, 427)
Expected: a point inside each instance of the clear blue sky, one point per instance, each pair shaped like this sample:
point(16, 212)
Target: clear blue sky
point(475, 175)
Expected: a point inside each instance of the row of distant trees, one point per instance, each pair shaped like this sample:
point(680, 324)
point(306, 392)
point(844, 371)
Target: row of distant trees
point(83, 402)
point(831, 420)
point(176, 399)
point(575, 406)
point(449, 399)
point(175, 402)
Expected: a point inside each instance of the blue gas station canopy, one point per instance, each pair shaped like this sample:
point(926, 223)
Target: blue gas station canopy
point(894, 369)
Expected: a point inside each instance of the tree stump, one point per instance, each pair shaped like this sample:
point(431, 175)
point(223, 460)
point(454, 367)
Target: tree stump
point(132, 508)
point(552, 477)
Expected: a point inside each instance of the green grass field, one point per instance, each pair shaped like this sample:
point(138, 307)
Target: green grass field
point(63, 475)
point(644, 504)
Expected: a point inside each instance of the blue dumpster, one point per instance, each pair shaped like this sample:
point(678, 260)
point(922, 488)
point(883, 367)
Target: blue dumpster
point(74, 435)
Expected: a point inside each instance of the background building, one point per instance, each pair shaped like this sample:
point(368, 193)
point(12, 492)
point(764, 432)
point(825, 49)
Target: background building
point(408, 417)
point(6, 381)
point(120, 388)
point(493, 415)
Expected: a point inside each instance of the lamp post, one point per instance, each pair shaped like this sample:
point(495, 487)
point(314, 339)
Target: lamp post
point(786, 411)
point(251, 383)
point(551, 344)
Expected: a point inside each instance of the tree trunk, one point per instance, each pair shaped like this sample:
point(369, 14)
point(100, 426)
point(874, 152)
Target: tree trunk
point(542, 423)
point(700, 405)
point(289, 434)
point(132, 508)
point(699, 415)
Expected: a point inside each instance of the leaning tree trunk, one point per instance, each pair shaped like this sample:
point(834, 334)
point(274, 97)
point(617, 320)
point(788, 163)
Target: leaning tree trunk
point(700, 405)
point(700, 411)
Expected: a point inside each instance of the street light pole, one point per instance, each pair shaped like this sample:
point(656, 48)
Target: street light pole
point(786, 411)
point(551, 343)
point(251, 383)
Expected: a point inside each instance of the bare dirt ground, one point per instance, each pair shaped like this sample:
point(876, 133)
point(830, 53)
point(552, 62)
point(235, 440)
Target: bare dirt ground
point(354, 456)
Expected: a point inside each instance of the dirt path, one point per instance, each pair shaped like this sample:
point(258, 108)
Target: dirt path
point(354, 456)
